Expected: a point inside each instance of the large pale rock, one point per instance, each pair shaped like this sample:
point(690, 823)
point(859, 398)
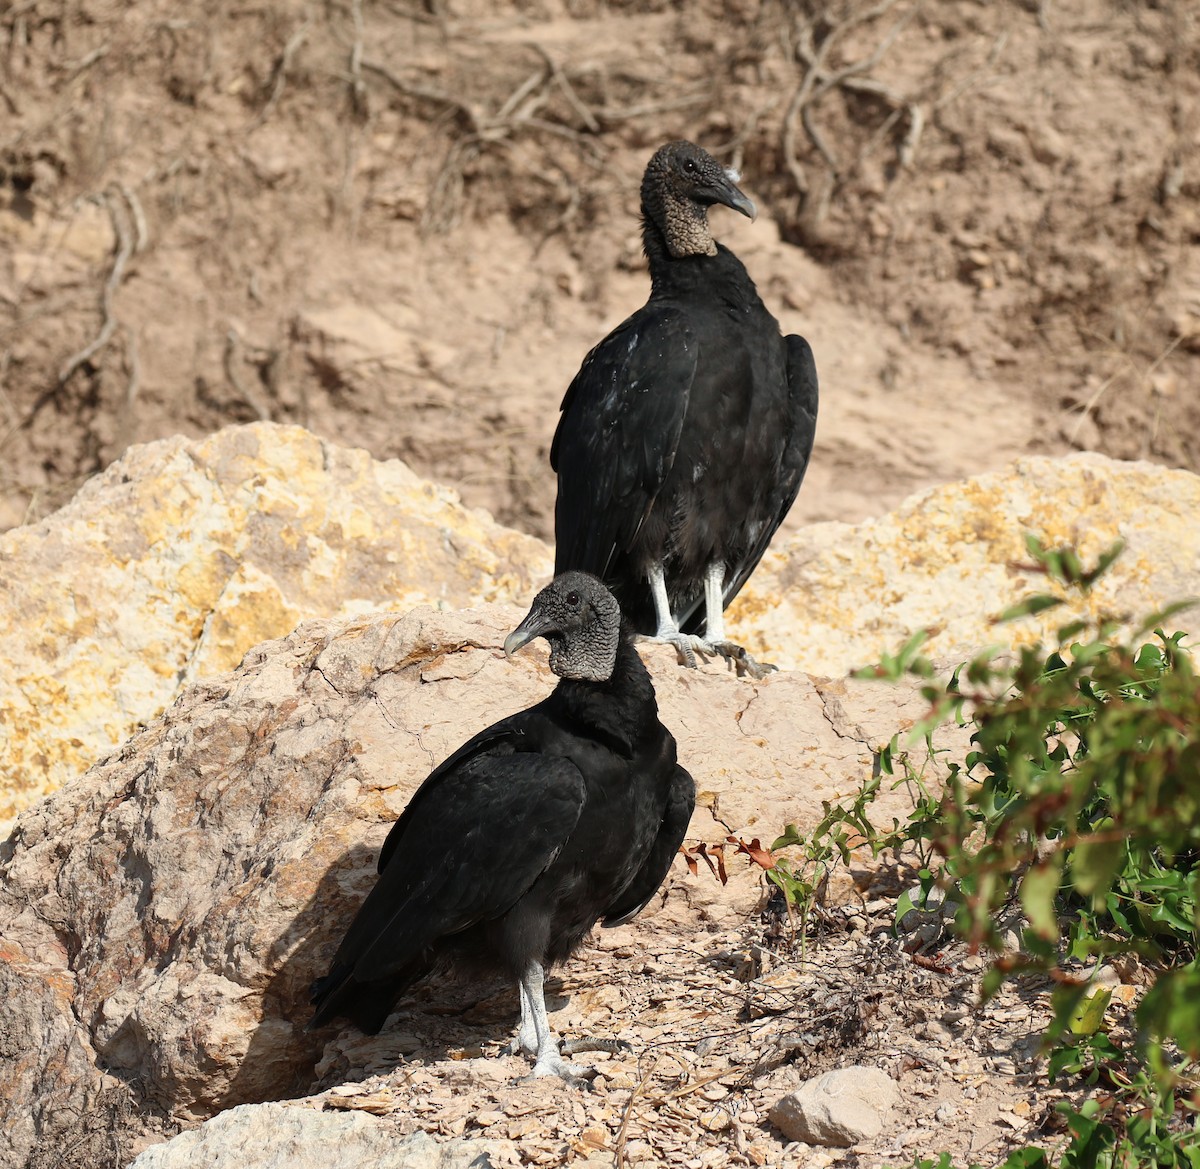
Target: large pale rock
point(164, 915)
point(171, 564)
point(174, 562)
point(835, 597)
point(842, 1107)
point(280, 1136)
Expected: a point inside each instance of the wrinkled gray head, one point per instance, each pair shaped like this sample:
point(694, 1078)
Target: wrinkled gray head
point(581, 620)
point(681, 183)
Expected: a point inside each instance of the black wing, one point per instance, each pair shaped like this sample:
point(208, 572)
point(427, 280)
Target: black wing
point(802, 431)
point(475, 836)
point(503, 738)
point(618, 434)
point(681, 801)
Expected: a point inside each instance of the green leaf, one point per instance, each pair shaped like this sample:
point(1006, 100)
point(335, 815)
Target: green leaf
point(1088, 1014)
point(1027, 1158)
point(1094, 863)
point(1039, 888)
point(1102, 564)
point(1029, 607)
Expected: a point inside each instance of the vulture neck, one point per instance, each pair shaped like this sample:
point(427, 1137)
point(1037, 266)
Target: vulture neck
point(620, 710)
point(674, 229)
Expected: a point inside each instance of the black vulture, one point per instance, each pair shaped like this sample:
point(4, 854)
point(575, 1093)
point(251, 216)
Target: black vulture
point(686, 432)
point(545, 823)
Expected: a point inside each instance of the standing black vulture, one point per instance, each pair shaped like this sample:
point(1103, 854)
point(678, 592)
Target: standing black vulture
point(531, 832)
point(687, 431)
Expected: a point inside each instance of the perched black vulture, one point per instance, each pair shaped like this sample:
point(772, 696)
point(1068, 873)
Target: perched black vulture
point(510, 851)
point(687, 431)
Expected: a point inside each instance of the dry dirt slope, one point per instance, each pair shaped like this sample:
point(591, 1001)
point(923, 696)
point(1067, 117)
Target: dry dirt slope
point(403, 224)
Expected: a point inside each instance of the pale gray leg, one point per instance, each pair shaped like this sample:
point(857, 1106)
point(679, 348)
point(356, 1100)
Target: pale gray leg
point(714, 603)
point(525, 1042)
point(549, 1062)
point(686, 646)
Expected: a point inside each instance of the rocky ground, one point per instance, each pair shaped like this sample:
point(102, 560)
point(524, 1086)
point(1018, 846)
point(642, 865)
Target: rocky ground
point(720, 1021)
point(721, 1024)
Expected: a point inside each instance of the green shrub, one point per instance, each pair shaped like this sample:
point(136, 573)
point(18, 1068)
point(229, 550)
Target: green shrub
point(1080, 799)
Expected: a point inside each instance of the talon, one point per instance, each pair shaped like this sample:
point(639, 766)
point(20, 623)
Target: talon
point(587, 1043)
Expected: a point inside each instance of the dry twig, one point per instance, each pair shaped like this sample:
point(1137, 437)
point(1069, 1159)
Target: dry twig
point(232, 361)
point(125, 248)
point(819, 80)
point(279, 73)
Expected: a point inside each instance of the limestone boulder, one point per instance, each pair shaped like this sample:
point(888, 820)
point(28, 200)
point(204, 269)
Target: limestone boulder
point(835, 597)
point(278, 1136)
point(842, 1107)
point(171, 564)
point(163, 915)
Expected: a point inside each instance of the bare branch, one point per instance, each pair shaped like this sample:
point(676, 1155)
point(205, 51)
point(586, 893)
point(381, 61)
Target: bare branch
point(279, 74)
point(232, 361)
point(576, 103)
point(426, 94)
point(125, 248)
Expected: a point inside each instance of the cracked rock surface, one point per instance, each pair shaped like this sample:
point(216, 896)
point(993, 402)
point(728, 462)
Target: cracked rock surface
point(164, 914)
point(183, 555)
point(177, 560)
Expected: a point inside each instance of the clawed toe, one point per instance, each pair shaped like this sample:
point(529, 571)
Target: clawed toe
point(576, 1074)
point(741, 661)
point(588, 1043)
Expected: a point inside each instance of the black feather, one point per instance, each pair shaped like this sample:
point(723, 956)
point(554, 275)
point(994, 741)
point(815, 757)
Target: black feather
point(527, 835)
point(686, 433)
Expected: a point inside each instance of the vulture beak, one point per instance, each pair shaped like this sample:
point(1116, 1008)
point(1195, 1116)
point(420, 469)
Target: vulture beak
point(728, 194)
point(536, 624)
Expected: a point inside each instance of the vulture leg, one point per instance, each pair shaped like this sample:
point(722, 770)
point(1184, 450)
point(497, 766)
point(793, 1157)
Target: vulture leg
point(714, 626)
point(525, 1042)
point(549, 1061)
point(686, 646)
point(714, 603)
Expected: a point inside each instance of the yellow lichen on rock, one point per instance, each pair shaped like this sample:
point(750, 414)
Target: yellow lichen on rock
point(836, 597)
point(183, 555)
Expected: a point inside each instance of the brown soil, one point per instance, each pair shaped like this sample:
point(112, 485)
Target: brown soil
point(984, 218)
point(723, 1013)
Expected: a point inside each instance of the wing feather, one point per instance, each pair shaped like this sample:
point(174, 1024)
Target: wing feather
point(618, 435)
point(497, 823)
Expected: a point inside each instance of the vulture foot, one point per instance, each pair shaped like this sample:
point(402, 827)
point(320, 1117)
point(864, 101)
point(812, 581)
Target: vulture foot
point(591, 1043)
point(689, 647)
point(686, 645)
point(741, 661)
point(551, 1064)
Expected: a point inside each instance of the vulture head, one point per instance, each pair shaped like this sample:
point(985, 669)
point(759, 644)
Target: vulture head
point(681, 183)
point(581, 620)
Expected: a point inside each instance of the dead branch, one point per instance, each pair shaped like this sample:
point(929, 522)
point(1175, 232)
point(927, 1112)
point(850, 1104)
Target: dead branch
point(624, 113)
point(279, 73)
point(141, 231)
point(425, 94)
point(818, 81)
point(10, 101)
point(125, 248)
point(232, 361)
point(86, 62)
point(537, 78)
point(568, 90)
point(358, 88)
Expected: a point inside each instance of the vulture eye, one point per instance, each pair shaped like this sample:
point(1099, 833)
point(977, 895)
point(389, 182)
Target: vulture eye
point(572, 599)
point(689, 165)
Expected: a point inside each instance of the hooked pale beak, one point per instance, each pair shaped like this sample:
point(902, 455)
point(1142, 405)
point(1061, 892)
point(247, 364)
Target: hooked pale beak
point(535, 625)
point(729, 194)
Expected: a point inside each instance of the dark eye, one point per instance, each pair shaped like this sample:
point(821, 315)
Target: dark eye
point(689, 165)
point(572, 599)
